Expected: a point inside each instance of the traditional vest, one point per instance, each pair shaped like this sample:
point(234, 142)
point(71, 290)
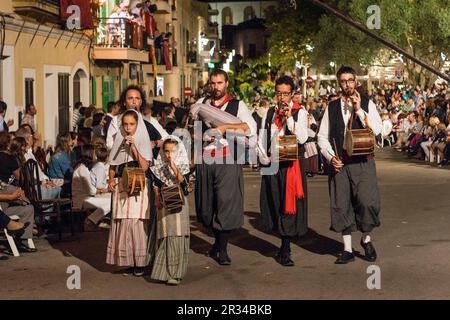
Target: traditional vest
point(337, 125)
point(268, 126)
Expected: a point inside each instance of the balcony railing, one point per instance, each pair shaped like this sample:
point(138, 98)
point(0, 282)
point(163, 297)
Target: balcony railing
point(120, 39)
point(121, 33)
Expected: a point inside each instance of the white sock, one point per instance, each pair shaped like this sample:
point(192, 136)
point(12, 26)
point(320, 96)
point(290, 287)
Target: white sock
point(366, 237)
point(347, 242)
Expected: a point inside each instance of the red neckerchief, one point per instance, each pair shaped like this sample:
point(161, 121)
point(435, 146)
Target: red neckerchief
point(226, 99)
point(279, 120)
point(294, 183)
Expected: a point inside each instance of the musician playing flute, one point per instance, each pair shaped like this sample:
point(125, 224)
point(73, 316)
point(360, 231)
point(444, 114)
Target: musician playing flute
point(219, 188)
point(354, 196)
point(283, 195)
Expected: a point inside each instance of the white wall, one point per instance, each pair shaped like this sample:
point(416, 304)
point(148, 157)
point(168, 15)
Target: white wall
point(8, 83)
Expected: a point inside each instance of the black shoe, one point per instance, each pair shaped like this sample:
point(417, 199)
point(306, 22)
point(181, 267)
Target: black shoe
point(24, 248)
point(369, 249)
point(224, 259)
point(345, 257)
point(139, 271)
point(284, 259)
point(213, 252)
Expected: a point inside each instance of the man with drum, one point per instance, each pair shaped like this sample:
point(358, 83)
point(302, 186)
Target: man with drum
point(219, 188)
point(283, 195)
point(354, 197)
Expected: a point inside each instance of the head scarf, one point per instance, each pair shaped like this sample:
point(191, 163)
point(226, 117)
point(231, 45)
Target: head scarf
point(161, 167)
point(120, 152)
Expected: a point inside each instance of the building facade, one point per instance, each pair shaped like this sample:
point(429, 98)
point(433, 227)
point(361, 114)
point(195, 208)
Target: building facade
point(42, 63)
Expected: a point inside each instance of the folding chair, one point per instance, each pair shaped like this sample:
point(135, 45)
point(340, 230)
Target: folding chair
point(31, 184)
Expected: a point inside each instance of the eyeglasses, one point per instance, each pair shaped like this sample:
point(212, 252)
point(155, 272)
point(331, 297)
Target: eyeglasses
point(349, 81)
point(283, 94)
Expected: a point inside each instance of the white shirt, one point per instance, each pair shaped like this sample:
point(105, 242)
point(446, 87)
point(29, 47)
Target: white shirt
point(324, 132)
point(243, 114)
point(29, 155)
point(112, 131)
point(82, 187)
point(299, 128)
point(157, 126)
point(99, 175)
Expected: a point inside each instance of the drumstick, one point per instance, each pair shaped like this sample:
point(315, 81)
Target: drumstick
point(335, 149)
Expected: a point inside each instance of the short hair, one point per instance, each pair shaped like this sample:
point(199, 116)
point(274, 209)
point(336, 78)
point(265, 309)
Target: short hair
point(110, 106)
point(28, 107)
point(78, 105)
point(3, 106)
point(23, 133)
point(123, 96)
point(98, 117)
point(101, 153)
point(285, 80)
point(345, 69)
point(5, 140)
point(27, 126)
point(217, 72)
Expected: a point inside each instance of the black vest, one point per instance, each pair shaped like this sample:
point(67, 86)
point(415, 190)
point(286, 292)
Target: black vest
point(336, 122)
point(268, 126)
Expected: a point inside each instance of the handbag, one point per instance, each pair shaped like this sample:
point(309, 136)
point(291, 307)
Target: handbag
point(359, 142)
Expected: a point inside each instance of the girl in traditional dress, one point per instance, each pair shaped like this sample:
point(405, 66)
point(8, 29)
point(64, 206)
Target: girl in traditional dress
point(171, 229)
point(128, 236)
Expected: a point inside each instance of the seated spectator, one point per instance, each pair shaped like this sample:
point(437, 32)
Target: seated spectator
point(13, 202)
point(50, 188)
point(439, 141)
point(97, 125)
point(60, 166)
point(9, 170)
point(85, 195)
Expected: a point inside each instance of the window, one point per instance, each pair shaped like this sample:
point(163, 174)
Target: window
point(76, 88)
point(249, 13)
point(251, 51)
point(29, 91)
point(227, 16)
point(63, 102)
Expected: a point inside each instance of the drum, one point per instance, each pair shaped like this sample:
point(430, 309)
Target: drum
point(359, 142)
point(287, 148)
point(173, 199)
point(133, 180)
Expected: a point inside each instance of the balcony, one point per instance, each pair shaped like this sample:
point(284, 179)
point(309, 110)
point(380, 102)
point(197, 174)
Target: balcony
point(38, 9)
point(164, 7)
point(160, 69)
point(120, 39)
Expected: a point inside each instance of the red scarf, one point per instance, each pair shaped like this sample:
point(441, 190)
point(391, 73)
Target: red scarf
point(294, 184)
point(226, 99)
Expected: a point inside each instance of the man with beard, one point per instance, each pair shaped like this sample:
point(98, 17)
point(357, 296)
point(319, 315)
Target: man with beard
point(354, 197)
point(219, 189)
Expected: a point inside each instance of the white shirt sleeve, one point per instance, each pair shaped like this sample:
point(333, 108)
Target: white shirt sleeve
point(374, 118)
point(86, 176)
point(300, 127)
point(323, 138)
point(112, 131)
point(245, 116)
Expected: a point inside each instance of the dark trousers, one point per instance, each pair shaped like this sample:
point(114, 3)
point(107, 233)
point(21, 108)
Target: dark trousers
point(4, 220)
point(354, 198)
